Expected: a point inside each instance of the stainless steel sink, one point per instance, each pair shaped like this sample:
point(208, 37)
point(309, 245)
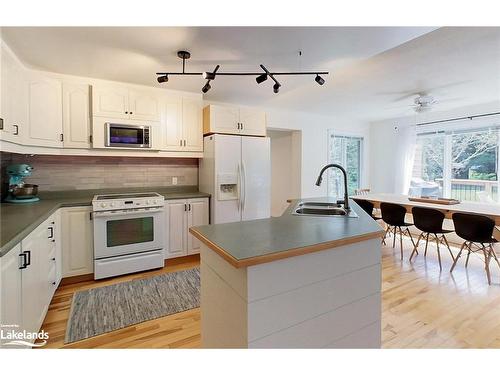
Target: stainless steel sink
point(319, 204)
point(322, 209)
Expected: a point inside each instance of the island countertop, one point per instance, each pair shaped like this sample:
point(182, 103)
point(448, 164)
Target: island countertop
point(18, 220)
point(248, 243)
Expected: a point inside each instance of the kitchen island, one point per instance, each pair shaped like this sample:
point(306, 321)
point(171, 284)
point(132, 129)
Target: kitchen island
point(291, 282)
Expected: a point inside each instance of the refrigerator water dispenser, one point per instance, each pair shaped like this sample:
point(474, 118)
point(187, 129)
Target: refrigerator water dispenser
point(227, 187)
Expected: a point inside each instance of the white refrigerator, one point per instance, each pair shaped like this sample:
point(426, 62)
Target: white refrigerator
point(236, 171)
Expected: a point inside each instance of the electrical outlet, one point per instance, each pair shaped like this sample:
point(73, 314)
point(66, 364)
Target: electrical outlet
point(174, 180)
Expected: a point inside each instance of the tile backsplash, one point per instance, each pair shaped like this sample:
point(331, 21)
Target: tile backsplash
point(53, 173)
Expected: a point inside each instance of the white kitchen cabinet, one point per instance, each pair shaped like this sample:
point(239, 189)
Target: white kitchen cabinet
point(192, 124)
point(77, 241)
point(252, 122)
point(181, 214)
point(13, 98)
point(183, 124)
point(233, 120)
point(76, 115)
point(121, 102)
point(144, 105)
point(44, 111)
point(11, 290)
point(176, 221)
point(197, 215)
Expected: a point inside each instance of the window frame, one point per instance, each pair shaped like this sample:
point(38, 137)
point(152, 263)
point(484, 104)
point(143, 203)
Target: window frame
point(332, 133)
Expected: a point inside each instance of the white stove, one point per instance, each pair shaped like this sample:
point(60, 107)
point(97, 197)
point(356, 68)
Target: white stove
point(128, 233)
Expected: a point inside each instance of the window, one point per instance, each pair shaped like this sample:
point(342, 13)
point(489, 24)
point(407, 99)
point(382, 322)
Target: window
point(346, 151)
point(460, 164)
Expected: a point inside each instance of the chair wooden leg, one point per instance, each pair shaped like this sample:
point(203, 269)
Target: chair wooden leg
point(416, 246)
point(439, 253)
point(487, 264)
point(426, 244)
point(458, 256)
point(401, 241)
point(448, 246)
point(394, 239)
point(469, 250)
point(407, 230)
point(385, 235)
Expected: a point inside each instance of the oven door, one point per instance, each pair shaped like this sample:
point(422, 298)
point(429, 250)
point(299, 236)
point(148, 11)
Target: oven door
point(122, 135)
point(132, 231)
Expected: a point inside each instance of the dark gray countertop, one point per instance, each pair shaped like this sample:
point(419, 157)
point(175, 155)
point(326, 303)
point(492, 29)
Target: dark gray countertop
point(18, 220)
point(259, 241)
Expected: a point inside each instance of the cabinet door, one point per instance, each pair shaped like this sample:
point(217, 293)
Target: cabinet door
point(77, 241)
point(171, 121)
point(143, 105)
point(192, 125)
point(253, 122)
point(110, 101)
point(222, 119)
point(13, 99)
point(11, 290)
point(44, 112)
point(197, 215)
point(176, 222)
point(76, 115)
point(33, 291)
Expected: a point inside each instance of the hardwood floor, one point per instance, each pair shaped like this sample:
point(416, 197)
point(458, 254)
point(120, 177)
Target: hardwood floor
point(421, 308)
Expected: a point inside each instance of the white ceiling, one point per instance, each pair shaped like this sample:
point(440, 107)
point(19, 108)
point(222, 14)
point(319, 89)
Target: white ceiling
point(370, 66)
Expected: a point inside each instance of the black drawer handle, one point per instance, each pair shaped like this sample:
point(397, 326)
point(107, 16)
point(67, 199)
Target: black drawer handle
point(51, 232)
point(29, 257)
point(24, 261)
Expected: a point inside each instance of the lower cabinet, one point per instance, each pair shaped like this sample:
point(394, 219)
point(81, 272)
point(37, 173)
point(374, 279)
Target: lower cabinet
point(180, 215)
point(29, 279)
point(77, 241)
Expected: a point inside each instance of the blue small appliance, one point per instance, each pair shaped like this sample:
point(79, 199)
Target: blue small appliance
point(20, 192)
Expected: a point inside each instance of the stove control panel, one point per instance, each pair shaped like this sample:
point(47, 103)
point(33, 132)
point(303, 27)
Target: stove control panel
point(122, 201)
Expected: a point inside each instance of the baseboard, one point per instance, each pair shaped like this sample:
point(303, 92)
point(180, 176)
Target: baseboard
point(76, 279)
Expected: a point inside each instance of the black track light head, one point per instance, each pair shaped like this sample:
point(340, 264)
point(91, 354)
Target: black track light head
point(162, 79)
point(276, 88)
point(208, 75)
point(206, 87)
point(319, 80)
point(261, 78)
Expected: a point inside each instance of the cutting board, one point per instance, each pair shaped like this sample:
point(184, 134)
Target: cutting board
point(447, 201)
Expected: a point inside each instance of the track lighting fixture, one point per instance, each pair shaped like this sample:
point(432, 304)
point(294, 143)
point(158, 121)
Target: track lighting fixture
point(162, 79)
point(259, 76)
point(206, 87)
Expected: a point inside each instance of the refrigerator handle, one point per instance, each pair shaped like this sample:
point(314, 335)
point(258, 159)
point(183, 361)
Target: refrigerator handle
point(244, 175)
point(239, 188)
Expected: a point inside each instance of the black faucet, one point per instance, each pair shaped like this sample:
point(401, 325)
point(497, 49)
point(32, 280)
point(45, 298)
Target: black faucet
point(320, 178)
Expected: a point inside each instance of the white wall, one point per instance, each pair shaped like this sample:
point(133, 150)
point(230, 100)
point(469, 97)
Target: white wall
point(285, 168)
point(314, 129)
point(383, 139)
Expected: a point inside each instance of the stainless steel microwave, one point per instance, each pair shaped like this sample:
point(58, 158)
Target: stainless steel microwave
point(124, 135)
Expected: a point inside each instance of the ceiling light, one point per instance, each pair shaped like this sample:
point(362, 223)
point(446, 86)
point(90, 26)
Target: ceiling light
point(276, 87)
point(162, 79)
point(208, 75)
point(206, 87)
point(261, 78)
point(319, 80)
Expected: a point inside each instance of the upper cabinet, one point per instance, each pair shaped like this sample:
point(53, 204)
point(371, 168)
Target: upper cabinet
point(182, 124)
point(44, 111)
point(233, 120)
point(13, 112)
point(76, 115)
point(123, 103)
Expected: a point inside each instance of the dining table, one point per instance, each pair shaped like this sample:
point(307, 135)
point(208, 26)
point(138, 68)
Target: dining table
point(491, 210)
